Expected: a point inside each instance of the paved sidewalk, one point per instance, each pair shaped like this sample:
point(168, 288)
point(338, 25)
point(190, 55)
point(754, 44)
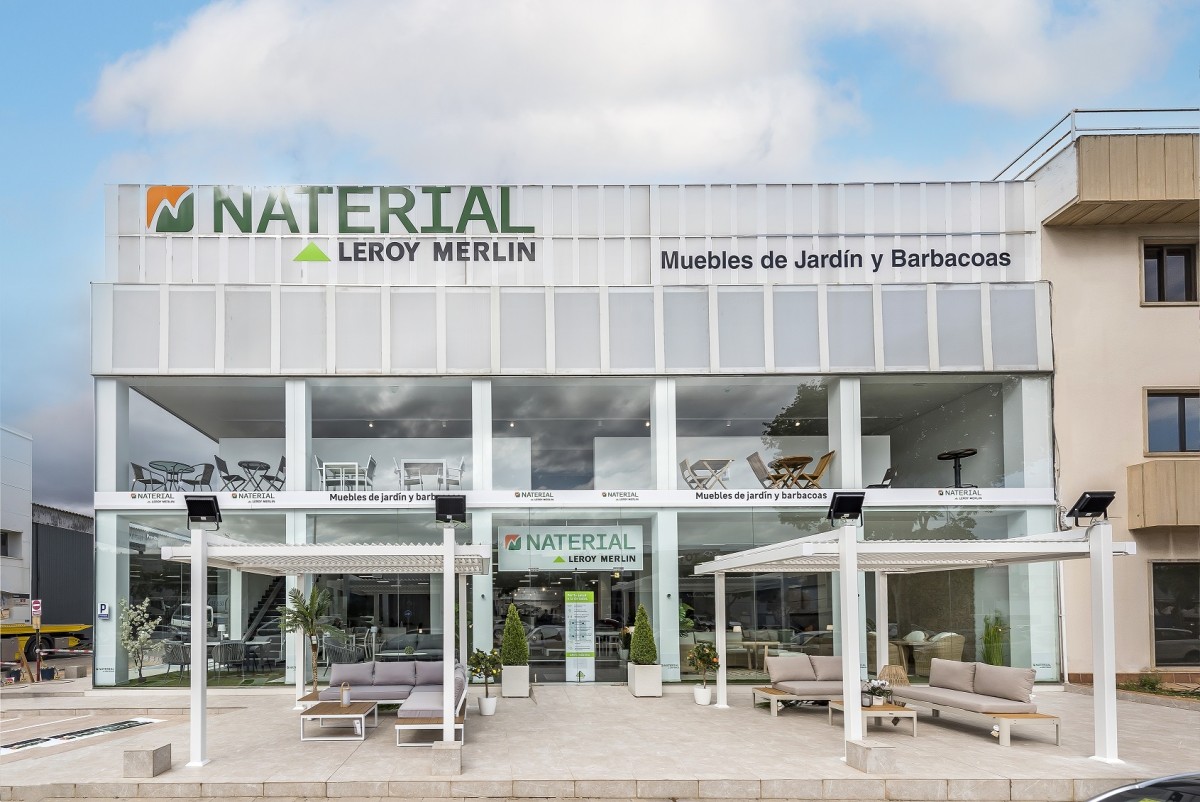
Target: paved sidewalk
point(593, 741)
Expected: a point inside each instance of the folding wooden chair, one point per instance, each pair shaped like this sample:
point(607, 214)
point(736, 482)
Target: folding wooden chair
point(813, 479)
point(769, 480)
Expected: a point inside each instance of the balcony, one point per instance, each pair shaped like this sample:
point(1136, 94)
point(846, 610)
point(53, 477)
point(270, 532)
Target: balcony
point(1164, 493)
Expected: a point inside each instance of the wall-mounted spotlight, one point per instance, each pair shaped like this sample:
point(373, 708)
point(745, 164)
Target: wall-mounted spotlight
point(450, 509)
point(846, 506)
point(203, 513)
point(1092, 504)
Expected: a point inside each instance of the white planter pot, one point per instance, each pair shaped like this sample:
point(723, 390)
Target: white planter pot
point(645, 680)
point(487, 705)
point(702, 695)
point(514, 681)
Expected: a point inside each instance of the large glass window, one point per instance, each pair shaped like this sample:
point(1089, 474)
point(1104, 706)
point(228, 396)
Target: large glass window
point(1173, 421)
point(374, 434)
point(571, 434)
point(1169, 273)
point(189, 435)
point(1176, 613)
point(730, 431)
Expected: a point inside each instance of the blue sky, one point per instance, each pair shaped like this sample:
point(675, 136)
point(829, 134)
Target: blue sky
point(279, 91)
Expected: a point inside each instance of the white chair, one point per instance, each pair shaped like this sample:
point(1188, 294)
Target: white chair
point(365, 477)
point(454, 475)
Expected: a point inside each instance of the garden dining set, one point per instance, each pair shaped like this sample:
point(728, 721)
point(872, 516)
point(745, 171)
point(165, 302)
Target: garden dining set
point(172, 475)
point(784, 472)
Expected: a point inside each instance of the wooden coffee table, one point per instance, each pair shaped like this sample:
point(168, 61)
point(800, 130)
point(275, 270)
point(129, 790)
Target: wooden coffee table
point(355, 713)
point(877, 712)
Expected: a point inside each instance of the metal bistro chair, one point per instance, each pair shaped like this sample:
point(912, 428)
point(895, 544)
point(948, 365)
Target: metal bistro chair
point(275, 481)
point(232, 480)
point(886, 482)
point(146, 478)
point(203, 480)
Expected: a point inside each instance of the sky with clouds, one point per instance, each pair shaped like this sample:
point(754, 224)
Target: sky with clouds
point(301, 91)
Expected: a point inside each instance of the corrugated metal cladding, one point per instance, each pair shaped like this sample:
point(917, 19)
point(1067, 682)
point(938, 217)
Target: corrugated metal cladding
point(63, 576)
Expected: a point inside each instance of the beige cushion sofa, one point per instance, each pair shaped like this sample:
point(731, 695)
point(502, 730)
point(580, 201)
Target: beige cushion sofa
point(806, 677)
point(973, 687)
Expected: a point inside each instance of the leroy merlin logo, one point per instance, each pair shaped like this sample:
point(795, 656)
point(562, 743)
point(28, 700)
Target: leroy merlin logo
point(311, 253)
point(170, 209)
point(512, 542)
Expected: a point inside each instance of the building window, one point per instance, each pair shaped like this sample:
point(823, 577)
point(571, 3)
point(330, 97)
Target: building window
point(1169, 273)
point(1173, 421)
point(1176, 604)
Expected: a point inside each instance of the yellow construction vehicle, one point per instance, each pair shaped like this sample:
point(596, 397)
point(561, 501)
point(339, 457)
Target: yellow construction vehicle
point(16, 638)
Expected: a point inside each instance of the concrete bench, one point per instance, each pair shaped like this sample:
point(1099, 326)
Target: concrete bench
point(142, 763)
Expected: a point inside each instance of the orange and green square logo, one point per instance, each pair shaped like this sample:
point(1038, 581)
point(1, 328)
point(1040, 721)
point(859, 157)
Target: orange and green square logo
point(170, 209)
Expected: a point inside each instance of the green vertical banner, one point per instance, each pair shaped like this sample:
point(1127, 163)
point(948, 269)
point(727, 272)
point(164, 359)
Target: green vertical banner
point(581, 635)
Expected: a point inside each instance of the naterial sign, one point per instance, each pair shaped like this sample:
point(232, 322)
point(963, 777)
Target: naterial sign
point(570, 548)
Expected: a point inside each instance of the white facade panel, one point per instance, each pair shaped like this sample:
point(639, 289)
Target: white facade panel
point(359, 330)
point(522, 330)
point(135, 328)
point(302, 327)
point(469, 316)
point(414, 331)
point(192, 329)
point(248, 324)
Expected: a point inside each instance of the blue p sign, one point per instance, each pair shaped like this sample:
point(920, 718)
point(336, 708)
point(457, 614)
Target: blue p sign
point(102, 611)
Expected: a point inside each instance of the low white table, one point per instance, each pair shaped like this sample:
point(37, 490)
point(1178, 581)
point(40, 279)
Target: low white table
point(877, 712)
point(356, 713)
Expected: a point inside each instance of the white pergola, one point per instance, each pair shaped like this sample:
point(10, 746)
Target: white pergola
point(844, 551)
point(448, 559)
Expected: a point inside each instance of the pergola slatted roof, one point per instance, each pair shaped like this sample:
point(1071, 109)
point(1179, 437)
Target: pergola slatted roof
point(309, 558)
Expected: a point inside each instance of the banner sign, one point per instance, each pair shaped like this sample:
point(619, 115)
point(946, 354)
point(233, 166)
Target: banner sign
point(570, 548)
point(557, 499)
point(581, 635)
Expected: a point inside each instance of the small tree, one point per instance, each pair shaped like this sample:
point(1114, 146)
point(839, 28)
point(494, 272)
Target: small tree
point(305, 615)
point(704, 658)
point(642, 651)
point(136, 628)
point(486, 666)
point(514, 646)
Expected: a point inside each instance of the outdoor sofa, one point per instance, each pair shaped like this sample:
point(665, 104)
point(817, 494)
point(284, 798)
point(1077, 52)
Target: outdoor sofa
point(801, 677)
point(416, 685)
point(1001, 694)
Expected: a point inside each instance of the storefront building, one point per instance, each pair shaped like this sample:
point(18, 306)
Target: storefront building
point(610, 374)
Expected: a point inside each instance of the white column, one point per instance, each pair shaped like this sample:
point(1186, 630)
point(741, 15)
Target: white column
point(436, 595)
point(199, 636)
point(295, 650)
point(849, 624)
point(297, 446)
point(845, 434)
point(112, 584)
point(237, 604)
point(481, 585)
point(462, 619)
point(481, 435)
point(663, 463)
point(666, 592)
point(881, 620)
point(1104, 657)
point(1028, 442)
point(112, 435)
point(447, 633)
point(719, 607)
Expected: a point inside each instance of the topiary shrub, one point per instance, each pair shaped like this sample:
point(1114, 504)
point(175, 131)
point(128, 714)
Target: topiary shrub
point(642, 651)
point(514, 647)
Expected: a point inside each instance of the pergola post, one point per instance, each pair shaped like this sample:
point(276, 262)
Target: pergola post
point(722, 689)
point(448, 633)
point(849, 618)
point(1104, 660)
point(199, 638)
point(462, 619)
point(881, 621)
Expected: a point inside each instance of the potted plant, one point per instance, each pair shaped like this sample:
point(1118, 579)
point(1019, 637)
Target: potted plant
point(993, 639)
point(486, 666)
point(645, 674)
point(703, 658)
point(623, 649)
point(876, 692)
point(305, 615)
point(514, 656)
point(136, 629)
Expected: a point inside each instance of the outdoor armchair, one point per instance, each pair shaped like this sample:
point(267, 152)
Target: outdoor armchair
point(203, 480)
point(943, 646)
point(146, 478)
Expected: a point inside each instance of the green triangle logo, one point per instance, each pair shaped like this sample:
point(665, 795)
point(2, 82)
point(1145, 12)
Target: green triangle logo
point(311, 253)
point(559, 559)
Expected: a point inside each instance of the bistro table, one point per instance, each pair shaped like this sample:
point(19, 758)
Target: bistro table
point(709, 471)
point(958, 455)
point(173, 471)
point(254, 471)
point(792, 468)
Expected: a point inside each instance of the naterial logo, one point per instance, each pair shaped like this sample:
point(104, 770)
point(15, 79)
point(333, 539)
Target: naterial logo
point(170, 209)
point(512, 542)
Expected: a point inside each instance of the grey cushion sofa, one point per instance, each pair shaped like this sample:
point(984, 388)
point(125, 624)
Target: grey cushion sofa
point(426, 646)
point(974, 687)
point(801, 677)
point(390, 682)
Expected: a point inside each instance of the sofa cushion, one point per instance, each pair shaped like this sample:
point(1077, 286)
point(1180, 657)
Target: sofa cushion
point(827, 667)
point(353, 673)
point(916, 636)
point(423, 703)
point(952, 674)
point(788, 668)
point(974, 702)
point(380, 693)
point(429, 672)
point(813, 690)
point(395, 673)
point(398, 643)
point(1004, 682)
point(427, 642)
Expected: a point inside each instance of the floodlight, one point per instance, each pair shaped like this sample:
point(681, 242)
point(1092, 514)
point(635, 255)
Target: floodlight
point(1092, 504)
point(450, 509)
point(846, 506)
point(203, 512)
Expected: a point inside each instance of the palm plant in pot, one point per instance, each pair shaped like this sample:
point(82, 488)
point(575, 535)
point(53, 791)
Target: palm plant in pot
point(703, 658)
point(486, 666)
point(645, 674)
point(514, 656)
point(305, 615)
